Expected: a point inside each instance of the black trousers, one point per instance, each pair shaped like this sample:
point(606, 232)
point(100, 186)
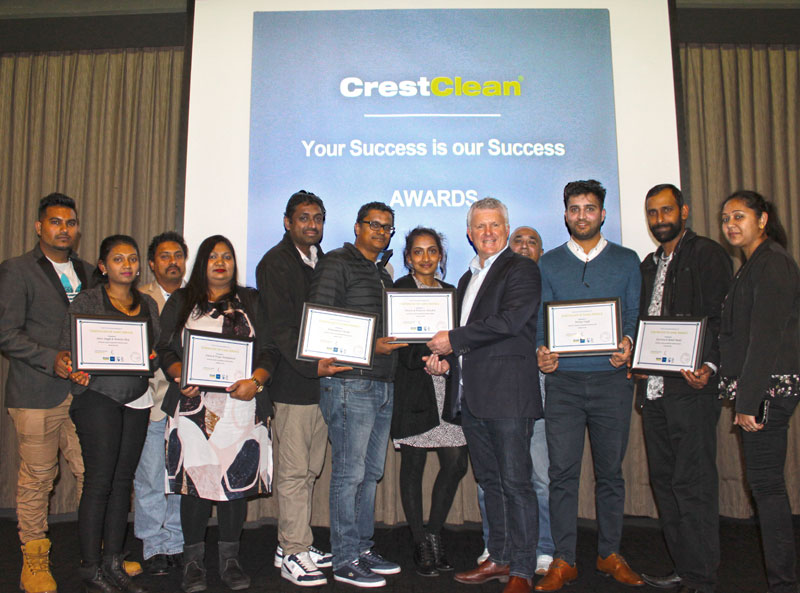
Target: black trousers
point(764, 460)
point(112, 437)
point(681, 438)
point(196, 511)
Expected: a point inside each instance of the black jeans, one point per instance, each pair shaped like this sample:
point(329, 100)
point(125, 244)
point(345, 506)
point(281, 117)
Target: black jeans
point(680, 433)
point(196, 511)
point(452, 467)
point(500, 449)
point(112, 437)
point(764, 459)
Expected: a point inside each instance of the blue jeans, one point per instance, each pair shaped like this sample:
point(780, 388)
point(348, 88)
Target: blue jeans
point(157, 518)
point(602, 403)
point(500, 453)
point(358, 412)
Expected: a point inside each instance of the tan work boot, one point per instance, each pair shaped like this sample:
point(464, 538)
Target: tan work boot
point(133, 568)
point(36, 577)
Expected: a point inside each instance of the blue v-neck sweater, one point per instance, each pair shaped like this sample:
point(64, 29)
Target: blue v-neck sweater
point(613, 273)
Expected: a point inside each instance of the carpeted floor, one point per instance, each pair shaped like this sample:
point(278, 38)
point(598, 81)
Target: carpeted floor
point(741, 570)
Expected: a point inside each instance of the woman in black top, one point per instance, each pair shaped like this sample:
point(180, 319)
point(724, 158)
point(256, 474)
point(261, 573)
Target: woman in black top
point(219, 447)
point(417, 424)
point(760, 367)
point(110, 413)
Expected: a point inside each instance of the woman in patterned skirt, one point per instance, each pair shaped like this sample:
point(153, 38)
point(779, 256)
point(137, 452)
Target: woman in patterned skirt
point(219, 446)
point(417, 424)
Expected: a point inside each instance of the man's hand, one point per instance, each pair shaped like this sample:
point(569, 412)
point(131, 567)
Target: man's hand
point(440, 343)
point(699, 378)
point(243, 389)
point(386, 347)
point(747, 422)
point(63, 364)
point(620, 358)
point(548, 361)
point(327, 368)
point(435, 365)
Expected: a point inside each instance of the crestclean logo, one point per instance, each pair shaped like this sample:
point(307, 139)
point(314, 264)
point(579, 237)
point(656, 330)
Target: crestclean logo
point(439, 86)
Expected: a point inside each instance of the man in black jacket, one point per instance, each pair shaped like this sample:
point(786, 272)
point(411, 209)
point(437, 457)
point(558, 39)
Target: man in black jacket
point(688, 275)
point(357, 405)
point(284, 276)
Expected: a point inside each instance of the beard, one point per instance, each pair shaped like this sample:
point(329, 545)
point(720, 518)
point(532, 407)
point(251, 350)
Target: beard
point(585, 234)
point(666, 232)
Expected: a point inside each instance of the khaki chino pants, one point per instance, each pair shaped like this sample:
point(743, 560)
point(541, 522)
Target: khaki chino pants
point(40, 434)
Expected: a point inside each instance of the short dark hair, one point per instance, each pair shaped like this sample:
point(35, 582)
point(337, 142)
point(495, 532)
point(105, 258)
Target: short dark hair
point(586, 186)
point(164, 238)
point(362, 212)
point(437, 238)
point(758, 204)
point(657, 189)
point(303, 197)
point(55, 199)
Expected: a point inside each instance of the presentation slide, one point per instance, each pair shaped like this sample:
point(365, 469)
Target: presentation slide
point(427, 108)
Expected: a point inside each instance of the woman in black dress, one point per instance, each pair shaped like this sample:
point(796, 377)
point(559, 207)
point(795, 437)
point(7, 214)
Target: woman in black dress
point(760, 367)
point(417, 424)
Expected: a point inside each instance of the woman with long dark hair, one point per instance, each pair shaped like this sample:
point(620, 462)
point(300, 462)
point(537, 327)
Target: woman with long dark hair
point(760, 367)
point(219, 447)
point(110, 413)
point(417, 424)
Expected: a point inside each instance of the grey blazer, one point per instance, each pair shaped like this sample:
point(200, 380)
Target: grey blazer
point(33, 305)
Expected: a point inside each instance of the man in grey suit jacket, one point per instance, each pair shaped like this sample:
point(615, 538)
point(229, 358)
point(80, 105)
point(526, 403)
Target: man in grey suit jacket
point(157, 519)
point(35, 291)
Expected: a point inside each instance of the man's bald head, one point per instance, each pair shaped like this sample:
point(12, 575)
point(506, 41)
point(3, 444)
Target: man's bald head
point(526, 241)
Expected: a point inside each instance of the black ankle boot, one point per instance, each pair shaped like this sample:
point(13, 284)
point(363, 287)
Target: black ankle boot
point(114, 570)
point(194, 571)
point(230, 571)
point(439, 557)
point(423, 559)
point(95, 581)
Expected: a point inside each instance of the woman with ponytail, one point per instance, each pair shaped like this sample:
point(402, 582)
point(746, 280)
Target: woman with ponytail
point(760, 367)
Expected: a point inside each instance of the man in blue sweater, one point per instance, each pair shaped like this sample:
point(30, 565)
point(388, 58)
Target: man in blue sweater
point(588, 391)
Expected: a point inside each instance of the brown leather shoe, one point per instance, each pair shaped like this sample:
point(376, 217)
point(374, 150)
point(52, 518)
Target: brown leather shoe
point(519, 585)
point(615, 566)
point(485, 572)
point(559, 574)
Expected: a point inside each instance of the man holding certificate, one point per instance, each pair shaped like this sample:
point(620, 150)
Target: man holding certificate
point(357, 404)
point(583, 282)
point(494, 388)
point(687, 275)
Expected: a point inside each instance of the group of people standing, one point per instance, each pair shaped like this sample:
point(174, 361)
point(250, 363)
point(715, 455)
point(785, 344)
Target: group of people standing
point(488, 389)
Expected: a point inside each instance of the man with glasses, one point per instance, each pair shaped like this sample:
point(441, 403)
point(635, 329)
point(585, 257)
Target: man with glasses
point(357, 404)
point(588, 391)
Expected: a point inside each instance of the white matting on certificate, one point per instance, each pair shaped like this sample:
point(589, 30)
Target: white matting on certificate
point(668, 345)
point(331, 332)
point(110, 345)
point(585, 327)
point(415, 315)
point(213, 362)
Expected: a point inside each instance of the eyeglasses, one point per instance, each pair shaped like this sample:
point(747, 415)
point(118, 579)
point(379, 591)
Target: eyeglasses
point(376, 226)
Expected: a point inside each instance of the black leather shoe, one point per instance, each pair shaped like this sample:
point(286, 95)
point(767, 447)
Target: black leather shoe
point(670, 581)
point(423, 559)
point(158, 565)
point(439, 556)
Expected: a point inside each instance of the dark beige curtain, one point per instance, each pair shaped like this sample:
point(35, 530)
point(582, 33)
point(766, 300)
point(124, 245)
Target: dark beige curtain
point(102, 127)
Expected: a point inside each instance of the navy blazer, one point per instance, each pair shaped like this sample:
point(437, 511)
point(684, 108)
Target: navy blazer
point(499, 370)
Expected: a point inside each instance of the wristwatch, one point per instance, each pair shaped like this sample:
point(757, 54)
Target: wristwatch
point(259, 384)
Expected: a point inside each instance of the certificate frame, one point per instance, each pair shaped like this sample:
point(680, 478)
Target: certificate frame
point(686, 354)
point(396, 319)
point(559, 338)
point(197, 345)
point(349, 349)
point(132, 355)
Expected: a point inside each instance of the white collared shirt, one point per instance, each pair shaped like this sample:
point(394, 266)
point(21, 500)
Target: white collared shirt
point(578, 251)
point(309, 261)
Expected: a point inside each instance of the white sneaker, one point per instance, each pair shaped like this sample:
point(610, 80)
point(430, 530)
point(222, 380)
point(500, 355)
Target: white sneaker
point(482, 558)
point(543, 563)
point(301, 570)
point(318, 557)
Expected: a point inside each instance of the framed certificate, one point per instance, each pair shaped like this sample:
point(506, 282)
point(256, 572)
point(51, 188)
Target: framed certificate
point(110, 345)
point(588, 327)
point(213, 362)
point(327, 332)
point(668, 345)
point(414, 315)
